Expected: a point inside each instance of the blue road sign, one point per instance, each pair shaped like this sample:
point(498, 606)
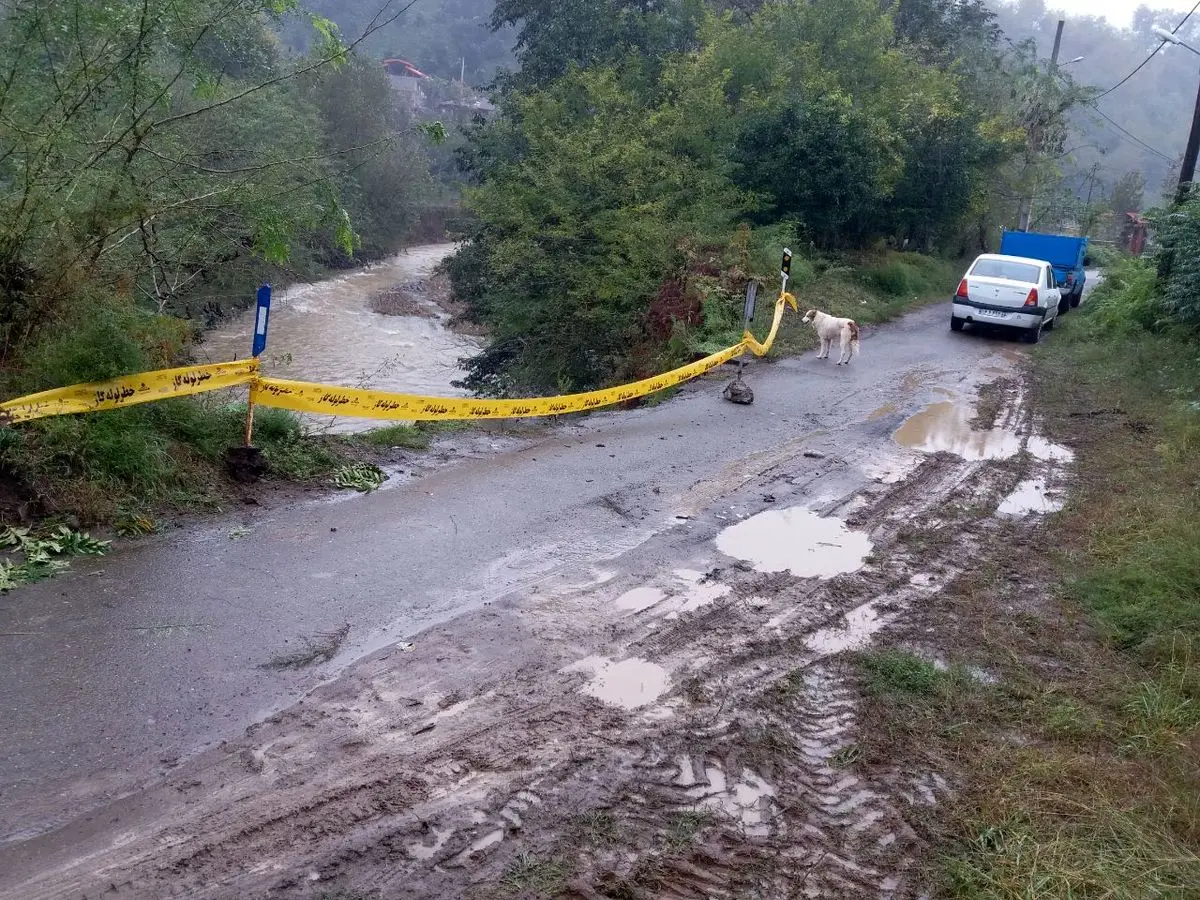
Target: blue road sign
point(260, 321)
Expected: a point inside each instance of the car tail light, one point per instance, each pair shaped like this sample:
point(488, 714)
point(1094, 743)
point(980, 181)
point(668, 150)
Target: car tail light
point(1032, 299)
point(962, 289)
point(1070, 278)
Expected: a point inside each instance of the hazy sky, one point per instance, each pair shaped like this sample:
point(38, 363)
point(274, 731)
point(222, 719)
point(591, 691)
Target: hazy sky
point(1118, 12)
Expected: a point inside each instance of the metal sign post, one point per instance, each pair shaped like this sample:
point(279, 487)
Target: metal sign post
point(747, 318)
point(260, 322)
point(738, 391)
point(261, 317)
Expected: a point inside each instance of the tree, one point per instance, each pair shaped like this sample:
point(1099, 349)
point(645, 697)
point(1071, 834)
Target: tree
point(1127, 193)
point(158, 145)
point(554, 36)
point(818, 162)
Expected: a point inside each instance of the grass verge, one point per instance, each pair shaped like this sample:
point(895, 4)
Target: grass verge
point(1081, 765)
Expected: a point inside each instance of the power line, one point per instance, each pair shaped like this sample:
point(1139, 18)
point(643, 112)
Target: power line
point(1140, 65)
point(1133, 137)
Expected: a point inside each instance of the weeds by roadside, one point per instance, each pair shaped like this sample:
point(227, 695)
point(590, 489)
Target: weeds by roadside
point(42, 555)
point(1080, 768)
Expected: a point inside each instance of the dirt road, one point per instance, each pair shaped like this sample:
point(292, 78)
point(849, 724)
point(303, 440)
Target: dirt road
point(604, 661)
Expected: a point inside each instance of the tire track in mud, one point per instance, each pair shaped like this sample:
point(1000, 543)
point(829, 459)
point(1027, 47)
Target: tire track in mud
point(740, 781)
point(841, 832)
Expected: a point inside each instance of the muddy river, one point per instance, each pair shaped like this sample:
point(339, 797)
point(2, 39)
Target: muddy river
point(327, 332)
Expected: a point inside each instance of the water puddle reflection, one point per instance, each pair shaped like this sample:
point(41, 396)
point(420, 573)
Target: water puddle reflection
point(796, 540)
point(1031, 496)
point(852, 633)
point(640, 598)
point(1044, 450)
point(749, 800)
point(428, 851)
point(629, 684)
point(946, 427)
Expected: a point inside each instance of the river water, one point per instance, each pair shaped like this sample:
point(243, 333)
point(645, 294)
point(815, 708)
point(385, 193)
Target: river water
point(326, 331)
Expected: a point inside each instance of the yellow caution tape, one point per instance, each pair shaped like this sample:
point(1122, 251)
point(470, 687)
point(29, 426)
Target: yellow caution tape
point(144, 387)
point(303, 396)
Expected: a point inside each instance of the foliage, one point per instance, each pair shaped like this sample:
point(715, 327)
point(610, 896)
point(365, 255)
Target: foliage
point(376, 156)
point(619, 160)
point(1127, 300)
point(1153, 107)
point(554, 37)
point(42, 555)
point(1127, 193)
point(1179, 230)
point(156, 158)
point(360, 477)
point(582, 208)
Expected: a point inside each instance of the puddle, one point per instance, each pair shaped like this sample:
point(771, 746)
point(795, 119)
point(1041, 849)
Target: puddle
point(796, 540)
point(629, 684)
point(886, 410)
point(640, 598)
point(453, 710)
point(1030, 497)
point(749, 800)
point(698, 592)
point(331, 335)
point(946, 426)
point(855, 631)
point(1046, 451)
point(480, 844)
point(424, 851)
point(888, 471)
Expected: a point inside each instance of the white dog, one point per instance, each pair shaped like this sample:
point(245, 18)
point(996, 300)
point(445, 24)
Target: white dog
point(829, 327)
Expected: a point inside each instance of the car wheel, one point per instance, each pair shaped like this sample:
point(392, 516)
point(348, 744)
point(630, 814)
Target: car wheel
point(1076, 299)
point(1032, 335)
point(1050, 323)
point(956, 324)
point(1064, 304)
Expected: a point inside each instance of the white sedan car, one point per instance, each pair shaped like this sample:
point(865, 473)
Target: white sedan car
point(1010, 291)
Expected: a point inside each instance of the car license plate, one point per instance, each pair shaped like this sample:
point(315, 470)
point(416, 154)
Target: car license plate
point(993, 314)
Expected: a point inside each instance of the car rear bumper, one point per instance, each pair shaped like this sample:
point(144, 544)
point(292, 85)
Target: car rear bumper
point(987, 314)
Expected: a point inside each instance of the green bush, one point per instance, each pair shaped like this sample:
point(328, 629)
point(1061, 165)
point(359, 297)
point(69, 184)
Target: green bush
point(1127, 300)
point(893, 279)
point(101, 339)
point(1179, 230)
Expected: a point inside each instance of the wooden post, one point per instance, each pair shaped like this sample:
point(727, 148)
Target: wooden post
point(250, 416)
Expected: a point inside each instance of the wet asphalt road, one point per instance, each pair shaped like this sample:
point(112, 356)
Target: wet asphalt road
point(113, 672)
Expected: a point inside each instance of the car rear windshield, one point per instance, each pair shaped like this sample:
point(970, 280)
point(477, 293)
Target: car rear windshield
point(1003, 268)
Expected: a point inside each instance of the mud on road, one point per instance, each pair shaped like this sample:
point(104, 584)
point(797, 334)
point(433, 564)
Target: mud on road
point(683, 724)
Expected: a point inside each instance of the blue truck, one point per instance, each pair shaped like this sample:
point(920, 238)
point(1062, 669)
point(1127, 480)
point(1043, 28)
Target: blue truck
point(1066, 254)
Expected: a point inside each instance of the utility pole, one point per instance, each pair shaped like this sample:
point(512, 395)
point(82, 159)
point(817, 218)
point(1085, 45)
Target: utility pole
point(1089, 219)
point(1036, 138)
point(1188, 170)
point(1057, 44)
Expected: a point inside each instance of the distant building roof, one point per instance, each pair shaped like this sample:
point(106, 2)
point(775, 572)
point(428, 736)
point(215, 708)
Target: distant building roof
point(403, 67)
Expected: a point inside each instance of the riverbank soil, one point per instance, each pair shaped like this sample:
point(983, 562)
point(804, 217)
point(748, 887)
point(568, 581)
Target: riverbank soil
point(792, 672)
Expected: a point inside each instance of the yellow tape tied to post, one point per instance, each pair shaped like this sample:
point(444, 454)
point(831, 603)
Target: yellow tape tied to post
point(323, 399)
point(129, 390)
point(303, 396)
